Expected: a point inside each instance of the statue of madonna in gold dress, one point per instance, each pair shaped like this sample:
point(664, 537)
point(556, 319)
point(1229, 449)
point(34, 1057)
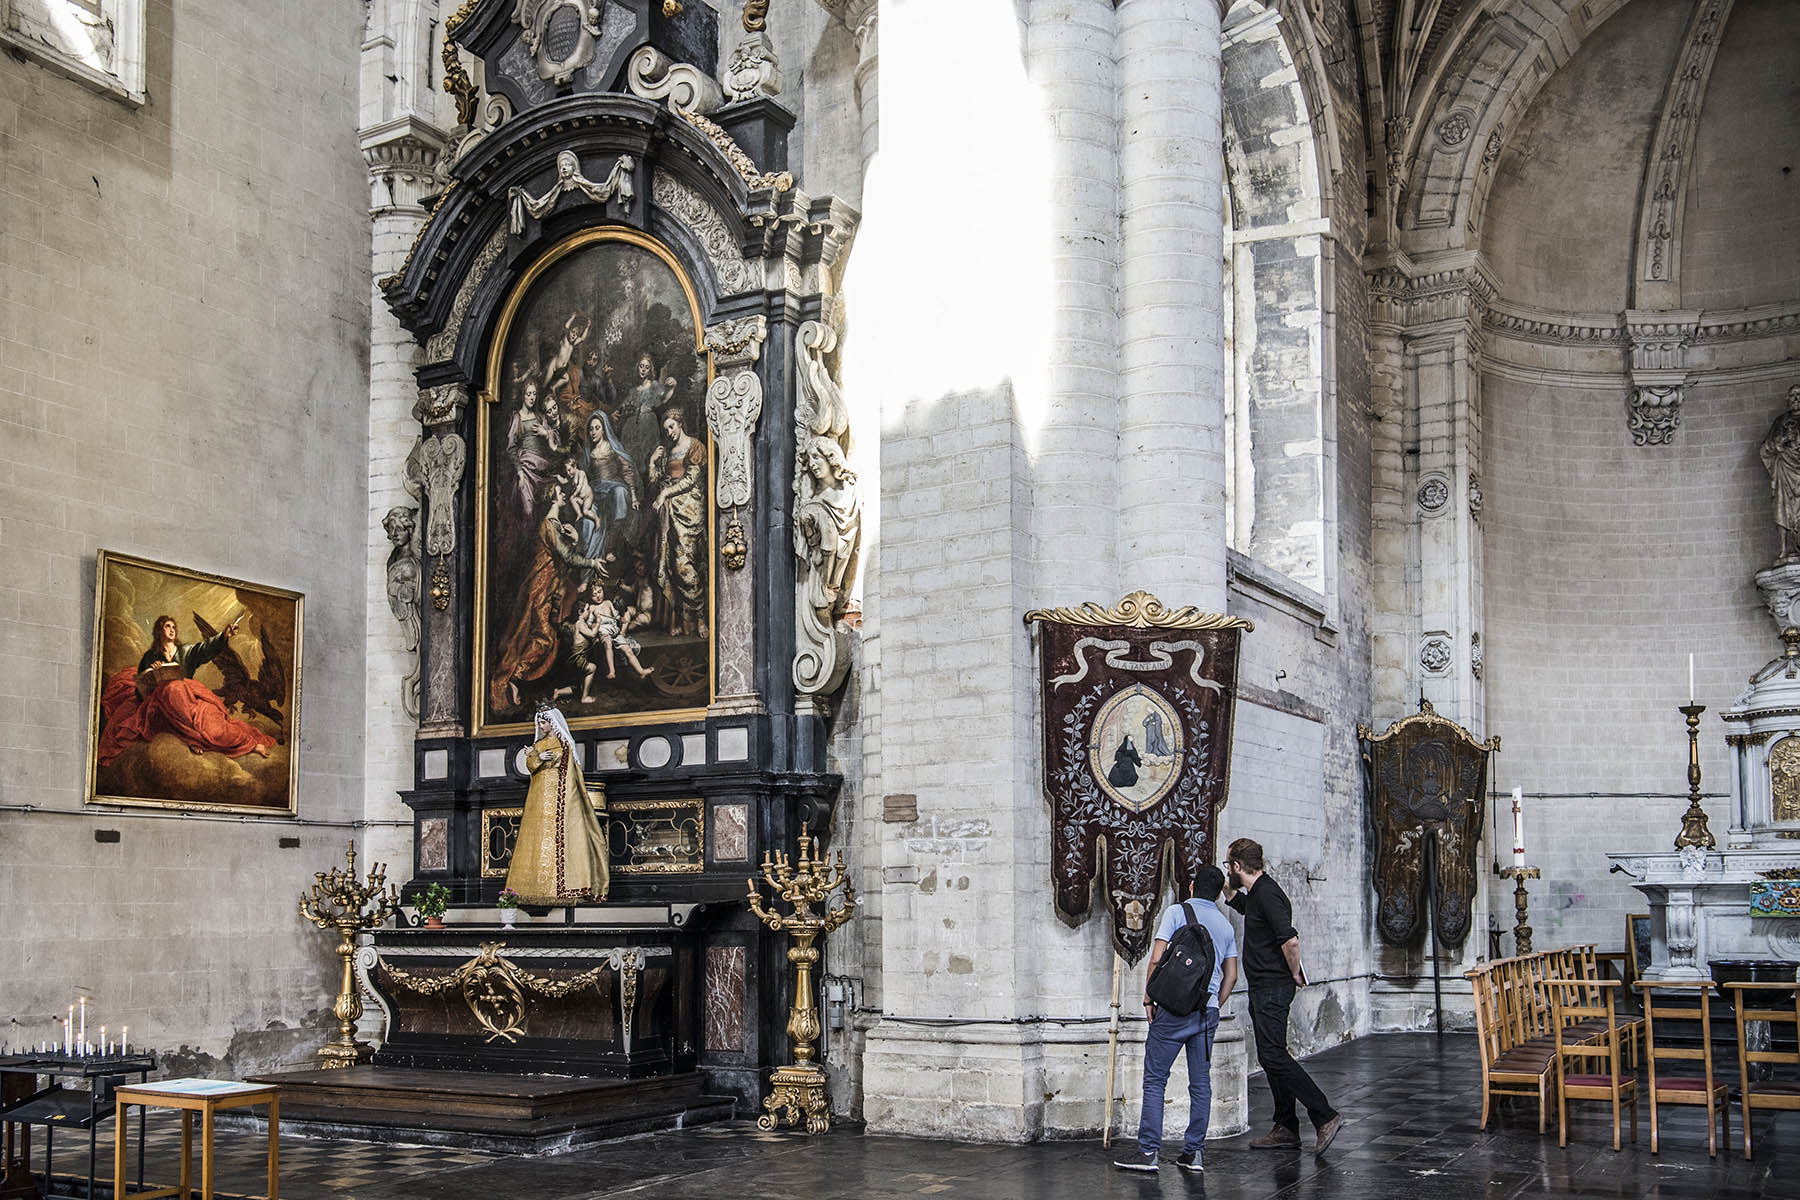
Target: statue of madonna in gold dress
point(560, 857)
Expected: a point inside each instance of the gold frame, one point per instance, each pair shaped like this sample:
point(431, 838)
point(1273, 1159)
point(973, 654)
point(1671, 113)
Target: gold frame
point(698, 806)
point(103, 561)
point(496, 348)
point(487, 825)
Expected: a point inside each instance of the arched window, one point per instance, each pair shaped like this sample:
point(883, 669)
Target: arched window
point(1279, 429)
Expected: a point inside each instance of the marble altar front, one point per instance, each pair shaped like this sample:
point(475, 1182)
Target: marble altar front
point(1700, 896)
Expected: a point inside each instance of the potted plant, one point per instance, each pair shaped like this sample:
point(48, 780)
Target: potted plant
point(508, 904)
point(431, 904)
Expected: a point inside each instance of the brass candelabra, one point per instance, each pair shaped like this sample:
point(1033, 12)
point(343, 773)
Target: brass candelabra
point(1694, 831)
point(1521, 930)
point(340, 902)
point(798, 1090)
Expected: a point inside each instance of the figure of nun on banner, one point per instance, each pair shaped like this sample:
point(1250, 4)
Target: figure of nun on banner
point(560, 857)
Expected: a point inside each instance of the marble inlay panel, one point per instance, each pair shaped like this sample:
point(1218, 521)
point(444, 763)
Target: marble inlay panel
point(734, 744)
point(731, 833)
point(725, 998)
point(434, 844)
point(436, 764)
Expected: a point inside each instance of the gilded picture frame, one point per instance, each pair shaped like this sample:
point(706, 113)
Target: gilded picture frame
point(205, 716)
point(595, 584)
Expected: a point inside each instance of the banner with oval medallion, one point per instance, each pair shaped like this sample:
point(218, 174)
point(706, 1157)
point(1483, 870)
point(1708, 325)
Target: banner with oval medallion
point(1138, 703)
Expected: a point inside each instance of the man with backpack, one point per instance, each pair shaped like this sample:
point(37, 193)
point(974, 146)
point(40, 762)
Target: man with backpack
point(1193, 967)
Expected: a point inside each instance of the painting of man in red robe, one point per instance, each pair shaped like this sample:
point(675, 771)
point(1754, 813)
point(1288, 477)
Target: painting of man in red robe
point(193, 711)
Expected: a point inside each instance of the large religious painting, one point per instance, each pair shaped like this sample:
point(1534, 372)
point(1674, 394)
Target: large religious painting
point(1138, 703)
point(1427, 795)
point(594, 547)
point(196, 690)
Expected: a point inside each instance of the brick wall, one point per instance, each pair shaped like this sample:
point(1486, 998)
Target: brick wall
point(183, 372)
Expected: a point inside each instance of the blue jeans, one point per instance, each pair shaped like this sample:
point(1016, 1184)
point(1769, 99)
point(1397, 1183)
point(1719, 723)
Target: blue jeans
point(1168, 1035)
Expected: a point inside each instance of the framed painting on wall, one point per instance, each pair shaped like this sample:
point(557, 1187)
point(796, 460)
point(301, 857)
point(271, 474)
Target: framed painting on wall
point(594, 513)
point(196, 690)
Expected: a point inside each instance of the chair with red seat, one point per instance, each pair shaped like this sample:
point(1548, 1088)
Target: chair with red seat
point(1667, 1000)
point(1571, 1002)
point(1764, 1002)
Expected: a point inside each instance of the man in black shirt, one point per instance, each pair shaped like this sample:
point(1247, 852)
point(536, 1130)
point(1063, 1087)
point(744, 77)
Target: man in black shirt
point(1271, 960)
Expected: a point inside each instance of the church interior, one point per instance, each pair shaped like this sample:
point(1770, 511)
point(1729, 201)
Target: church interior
point(711, 568)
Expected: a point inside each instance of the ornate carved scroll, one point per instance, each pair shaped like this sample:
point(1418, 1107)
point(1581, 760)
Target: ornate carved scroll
point(734, 402)
point(1138, 703)
point(498, 991)
point(436, 467)
point(1428, 782)
point(735, 273)
point(827, 517)
point(651, 75)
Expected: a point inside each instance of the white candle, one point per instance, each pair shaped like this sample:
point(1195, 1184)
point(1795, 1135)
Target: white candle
point(1690, 680)
point(103, 1040)
point(82, 1037)
point(69, 1032)
point(1518, 827)
point(125, 1040)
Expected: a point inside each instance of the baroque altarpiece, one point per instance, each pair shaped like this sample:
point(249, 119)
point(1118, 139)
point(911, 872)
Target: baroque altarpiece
point(636, 507)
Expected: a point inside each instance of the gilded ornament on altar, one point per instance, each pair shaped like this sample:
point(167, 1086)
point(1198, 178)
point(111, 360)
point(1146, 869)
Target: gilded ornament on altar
point(340, 902)
point(798, 1090)
point(1784, 778)
point(734, 548)
point(440, 586)
point(497, 990)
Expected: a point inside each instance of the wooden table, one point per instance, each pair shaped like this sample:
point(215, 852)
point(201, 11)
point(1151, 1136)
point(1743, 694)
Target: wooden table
point(190, 1096)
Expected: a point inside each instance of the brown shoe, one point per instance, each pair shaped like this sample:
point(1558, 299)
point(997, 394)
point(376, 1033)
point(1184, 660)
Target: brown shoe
point(1279, 1137)
point(1325, 1133)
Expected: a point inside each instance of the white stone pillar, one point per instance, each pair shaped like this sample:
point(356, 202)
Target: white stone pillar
point(401, 142)
point(1171, 452)
point(1070, 56)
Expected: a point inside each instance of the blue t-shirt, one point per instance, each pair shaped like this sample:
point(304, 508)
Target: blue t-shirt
point(1224, 939)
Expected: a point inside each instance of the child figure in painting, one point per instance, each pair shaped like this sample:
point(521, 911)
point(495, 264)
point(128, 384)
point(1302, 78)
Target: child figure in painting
point(600, 623)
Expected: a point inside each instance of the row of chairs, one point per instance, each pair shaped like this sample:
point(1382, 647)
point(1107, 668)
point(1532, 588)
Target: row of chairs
point(1550, 1015)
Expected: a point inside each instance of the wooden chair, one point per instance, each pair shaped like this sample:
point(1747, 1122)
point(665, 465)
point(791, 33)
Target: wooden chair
point(1765, 1093)
point(1684, 1089)
point(1570, 1003)
point(1510, 1066)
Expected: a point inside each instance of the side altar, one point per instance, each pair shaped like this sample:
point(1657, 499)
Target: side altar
point(1732, 910)
point(634, 503)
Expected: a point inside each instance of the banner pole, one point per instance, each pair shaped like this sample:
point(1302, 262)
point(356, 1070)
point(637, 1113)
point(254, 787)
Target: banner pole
point(1112, 1049)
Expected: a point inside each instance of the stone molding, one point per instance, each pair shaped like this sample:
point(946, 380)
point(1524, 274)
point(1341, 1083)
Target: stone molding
point(402, 155)
point(1656, 276)
point(1659, 372)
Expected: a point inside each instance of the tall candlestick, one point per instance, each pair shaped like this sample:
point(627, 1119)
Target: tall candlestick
point(1518, 827)
point(1690, 679)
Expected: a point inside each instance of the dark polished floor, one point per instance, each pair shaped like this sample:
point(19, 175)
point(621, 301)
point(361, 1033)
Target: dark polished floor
point(1412, 1107)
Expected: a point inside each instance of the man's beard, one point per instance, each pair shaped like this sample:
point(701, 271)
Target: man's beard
point(1236, 881)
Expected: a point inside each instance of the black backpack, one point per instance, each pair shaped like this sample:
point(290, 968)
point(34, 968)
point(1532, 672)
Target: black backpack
point(1182, 981)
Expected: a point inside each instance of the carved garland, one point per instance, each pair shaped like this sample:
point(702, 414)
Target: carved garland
point(1140, 610)
point(494, 987)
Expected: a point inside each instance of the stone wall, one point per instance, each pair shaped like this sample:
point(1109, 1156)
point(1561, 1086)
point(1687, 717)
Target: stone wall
point(183, 371)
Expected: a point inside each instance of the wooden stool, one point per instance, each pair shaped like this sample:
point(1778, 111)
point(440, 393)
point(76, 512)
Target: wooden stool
point(206, 1097)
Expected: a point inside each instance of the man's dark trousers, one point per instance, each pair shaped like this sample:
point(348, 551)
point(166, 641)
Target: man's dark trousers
point(1288, 1081)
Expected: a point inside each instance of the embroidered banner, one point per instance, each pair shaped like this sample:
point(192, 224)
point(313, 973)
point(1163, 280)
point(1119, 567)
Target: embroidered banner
point(1137, 704)
point(1427, 780)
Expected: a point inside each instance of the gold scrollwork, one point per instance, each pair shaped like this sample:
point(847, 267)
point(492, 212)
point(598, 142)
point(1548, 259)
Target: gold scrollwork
point(494, 988)
point(1427, 715)
point(1784, 779)
point(1139, 610)
point(781, 181)
point(456, 80)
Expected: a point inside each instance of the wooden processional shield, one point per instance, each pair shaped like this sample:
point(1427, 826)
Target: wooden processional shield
point(1427, 796)
point(1137, 704)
